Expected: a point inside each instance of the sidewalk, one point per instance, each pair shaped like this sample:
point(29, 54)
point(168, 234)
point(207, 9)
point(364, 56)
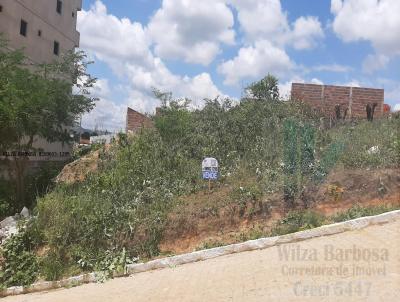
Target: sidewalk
point(361, 265)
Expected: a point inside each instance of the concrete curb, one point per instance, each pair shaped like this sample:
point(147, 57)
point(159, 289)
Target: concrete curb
point(251, 245)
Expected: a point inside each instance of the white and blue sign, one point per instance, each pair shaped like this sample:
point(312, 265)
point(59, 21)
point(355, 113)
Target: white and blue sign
point(209, 168)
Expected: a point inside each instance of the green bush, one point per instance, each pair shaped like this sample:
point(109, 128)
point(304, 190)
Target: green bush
point(328, 159)
point(298, 221)
point(358, 211)
point(209, 245)
point(52, 268)
point(243, 195)
point(7, 198)
point(37, 184)
point(125, 204)
point(298, 158)
point(359, 139)
point(254, 233)
point(19, 265)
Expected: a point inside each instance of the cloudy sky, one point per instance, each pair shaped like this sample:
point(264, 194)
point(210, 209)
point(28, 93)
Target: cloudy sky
point(208, 48)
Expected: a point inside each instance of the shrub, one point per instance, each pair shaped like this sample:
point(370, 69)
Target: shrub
point(209, 245)
point(125, 204)
point(19, 265)
point(359, 139)
point(329, 157)
point(7, 198)
point(298, 157)
point(358, 211)
point(37, 183)
point(242, 195)
point(52, 268)
point(297, 221)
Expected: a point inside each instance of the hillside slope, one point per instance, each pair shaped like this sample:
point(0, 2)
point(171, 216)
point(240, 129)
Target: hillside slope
point(281, 171)
point(208, 219)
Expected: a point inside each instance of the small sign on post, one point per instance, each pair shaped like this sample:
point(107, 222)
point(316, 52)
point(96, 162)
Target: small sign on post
point(209, 169)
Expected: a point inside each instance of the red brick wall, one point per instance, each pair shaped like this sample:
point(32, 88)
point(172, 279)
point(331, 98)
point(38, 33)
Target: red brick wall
point(363, 96)
point(326, 97)
point(136, 121)
point(310, 94)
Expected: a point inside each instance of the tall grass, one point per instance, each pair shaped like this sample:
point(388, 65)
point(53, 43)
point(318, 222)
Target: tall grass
point(124, 205)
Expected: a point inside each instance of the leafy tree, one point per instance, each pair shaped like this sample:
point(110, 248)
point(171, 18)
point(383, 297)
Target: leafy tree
point(265, 89)
point(39, 100)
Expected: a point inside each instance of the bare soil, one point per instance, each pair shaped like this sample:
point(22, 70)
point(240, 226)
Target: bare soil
point(209, 219)
point(78, 170)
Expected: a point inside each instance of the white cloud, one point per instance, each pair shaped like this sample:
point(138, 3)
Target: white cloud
point(262, 19)
point(336, 6)
point(101, 89)
point(192, 30)
point(316, 81)
point(376, 21)
point(256, 61)
point(199, 87)
point(352, 83)
point(124, 47)
point(332, 68)
point(286, 87)
point(196, 88)
point(267, 33)
point(107, 115)
point(392, 91)
point(112, 39)
point(375, 62)
point(306, 32)
point(265, 20)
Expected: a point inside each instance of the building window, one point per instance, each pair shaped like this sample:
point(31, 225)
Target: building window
point(1, 8)
point(24, 28)
point(73, 14)
point(56, 49)
point(39, 33)
point(59, 6)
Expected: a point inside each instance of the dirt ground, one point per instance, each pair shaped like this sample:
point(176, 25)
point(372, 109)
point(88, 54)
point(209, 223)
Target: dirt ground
point(205, 220)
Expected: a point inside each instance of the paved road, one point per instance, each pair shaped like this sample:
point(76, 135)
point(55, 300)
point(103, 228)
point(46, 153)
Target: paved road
point(361, 265)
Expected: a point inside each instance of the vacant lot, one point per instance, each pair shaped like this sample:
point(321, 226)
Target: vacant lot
point(266, 275)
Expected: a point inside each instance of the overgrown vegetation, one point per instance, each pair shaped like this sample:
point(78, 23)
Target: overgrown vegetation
point(358, 211)
point(118, 213)
point(19, 265)
point(37, 184)
point(298, 221)
point(37, 100)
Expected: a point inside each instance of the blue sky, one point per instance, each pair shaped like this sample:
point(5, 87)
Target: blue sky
point(202, 49)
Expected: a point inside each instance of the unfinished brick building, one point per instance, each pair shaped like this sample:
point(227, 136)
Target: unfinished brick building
point(325, 99)
point(136, 121)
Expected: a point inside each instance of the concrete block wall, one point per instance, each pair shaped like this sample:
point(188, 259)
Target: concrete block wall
point(324, 98)
point(136, 121)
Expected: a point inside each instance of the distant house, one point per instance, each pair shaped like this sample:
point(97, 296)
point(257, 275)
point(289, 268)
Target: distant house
point(103, 139)
point(350, 100)
point(136, 121)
